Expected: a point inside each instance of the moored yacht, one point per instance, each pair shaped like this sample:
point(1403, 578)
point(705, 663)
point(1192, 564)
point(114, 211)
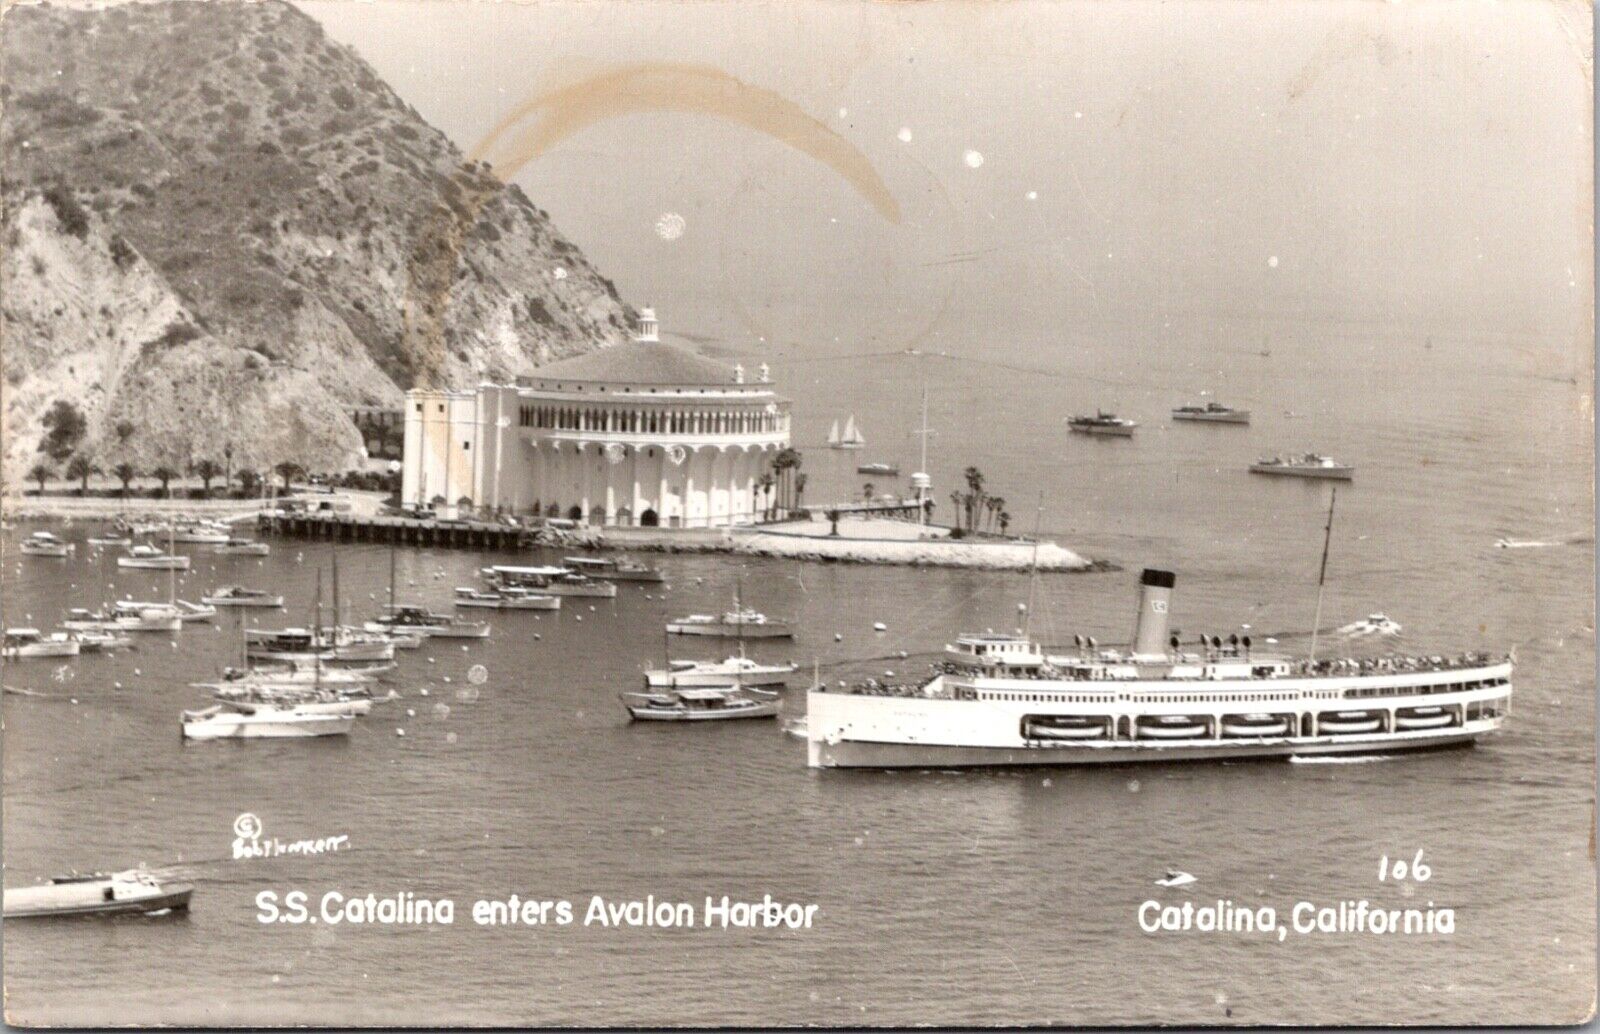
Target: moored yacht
point(97, 894)
point(548, 581)
point(707, 704)
point(999, 700)
point(239, 596)
point(405, 619)
point(160, 619)
point(1103, 424)
point(23, 643)
point(149, 558)
point(303, 648)
point(1309, 465)
point(618, 569)
point(734, 671)
point(200, 533)
point(507, 599)
point(242, 547)
point(1212, 413)
point(249, 722)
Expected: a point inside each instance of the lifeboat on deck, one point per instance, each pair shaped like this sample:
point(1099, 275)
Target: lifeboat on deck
point(1344, 723)
point(1063, 727)
point(1255, 725)
point(1423, 718)
point(1171, 727)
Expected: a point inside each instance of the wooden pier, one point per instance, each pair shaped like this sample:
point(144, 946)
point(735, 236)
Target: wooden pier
point(397, 530)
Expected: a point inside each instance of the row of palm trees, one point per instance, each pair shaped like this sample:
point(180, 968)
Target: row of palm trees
point(975, 509)
point(81, 468)
point(783, 486)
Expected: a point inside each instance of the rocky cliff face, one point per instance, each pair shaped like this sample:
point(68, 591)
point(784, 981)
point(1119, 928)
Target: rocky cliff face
point(222, 228)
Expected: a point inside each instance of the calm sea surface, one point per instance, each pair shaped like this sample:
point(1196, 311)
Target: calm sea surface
point(945, 897)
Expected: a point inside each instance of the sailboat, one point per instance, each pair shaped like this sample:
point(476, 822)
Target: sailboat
point(850, 439)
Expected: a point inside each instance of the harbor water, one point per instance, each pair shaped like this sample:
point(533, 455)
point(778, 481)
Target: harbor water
point(944, 897)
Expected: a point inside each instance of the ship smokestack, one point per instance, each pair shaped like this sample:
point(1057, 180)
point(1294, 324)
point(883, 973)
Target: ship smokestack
point(1155, 595)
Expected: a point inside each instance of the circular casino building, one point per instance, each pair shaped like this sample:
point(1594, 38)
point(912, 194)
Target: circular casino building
point(646, 433)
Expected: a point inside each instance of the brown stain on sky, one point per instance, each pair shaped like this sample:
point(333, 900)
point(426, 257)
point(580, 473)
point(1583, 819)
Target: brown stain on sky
point(654, 87)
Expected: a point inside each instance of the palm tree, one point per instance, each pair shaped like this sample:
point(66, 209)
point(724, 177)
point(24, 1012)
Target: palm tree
point(249, 481)
point(288, 470)
point(956, 507)
point(974, 499)
point(784, 465)
point(80, 468)
point(164, 474)
point(799, 490)
point(125, 472)
point(997, 503)
point(1005, 521)
point(868, 490)
point(206, 470)
point(764, 487)
point(41, 473)
point(227, 465)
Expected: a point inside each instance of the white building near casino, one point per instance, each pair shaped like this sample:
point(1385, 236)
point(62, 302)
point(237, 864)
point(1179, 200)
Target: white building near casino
point(645, 433)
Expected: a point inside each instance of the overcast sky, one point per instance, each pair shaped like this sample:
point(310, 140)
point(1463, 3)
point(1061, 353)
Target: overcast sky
point(1059, 167)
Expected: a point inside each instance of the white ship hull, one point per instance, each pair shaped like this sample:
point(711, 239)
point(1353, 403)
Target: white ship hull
point(856, 730)
point(708, 679)
point(163, 563)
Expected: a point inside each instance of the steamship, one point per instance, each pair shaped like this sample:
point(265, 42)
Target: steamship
point(1001, 699)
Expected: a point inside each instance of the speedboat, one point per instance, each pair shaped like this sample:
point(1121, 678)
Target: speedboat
point(241, 547)
point(152, 559)
point(700, 705)
point(1102, 424)
point(742, 623)
point(1212, 413)
point(620, 569)
point(97, 894)
point(738, 671)
point(879, 469)
point(1310, 465)
point(509, 600)
point(228, 721)
point(22, 643)
point(239, 596)
point(43, 543)
point(406, 619)
point(1372, 624)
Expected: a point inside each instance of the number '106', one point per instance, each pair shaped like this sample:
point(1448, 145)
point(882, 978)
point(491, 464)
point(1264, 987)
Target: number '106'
point(1399, 869)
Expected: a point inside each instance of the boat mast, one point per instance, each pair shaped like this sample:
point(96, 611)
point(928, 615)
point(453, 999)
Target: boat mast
point(334, 553)
point(316, 634)
point(1322, 575)
point(172, 570)
point(391, 575)
point(1033, 571)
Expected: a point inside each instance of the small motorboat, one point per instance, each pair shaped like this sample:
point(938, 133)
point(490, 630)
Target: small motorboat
point(742, 623)
point(1175, 878)
point(405, 619)
point(700, 705)
point(1310, 465)
point(195, 611)
point(887, 470)
point(44, 544)
point(94, 640)
point(505, 600)
point(228, 721)
point(24, 643)
point(180, 609)
point(1102, 424)
point(201, 533)
point(1212, 413)
point(620, 569)
point(1170, 727)
point(1372, 624)
point(161, 619)
point(1255, 725)
point(239, 596)
point(736, 671)
point(548, 581)
point(98, 894)
point(241, 547)
point(1348, 722)
point(104, 541)
point(1423, 718)
point(149, 558)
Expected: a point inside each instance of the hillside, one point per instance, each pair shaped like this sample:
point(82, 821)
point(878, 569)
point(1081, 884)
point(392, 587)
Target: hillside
point(222, 228)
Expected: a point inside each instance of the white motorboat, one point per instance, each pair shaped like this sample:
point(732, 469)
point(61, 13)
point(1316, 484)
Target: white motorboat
point(24, 643)
point(97, 894)
point(291, 675)
point(735, 671)
point(1212, 413)
point(105, 541)
point(741, 623)
point(159, 611)
point(405, 619)
point(201, 533)
point(44, 544)
point(301, 647)
point(149, 558)
point(94, 640)
point(239, 596)
point(700, 704)
point(304, 699)
point(1103, 424)
point(158, 620)
point(227, 721)
point(618, 569)
point(548, 581)
point(1371, 625)
point(242, 547)
point(506, 600)
point(1310, 465)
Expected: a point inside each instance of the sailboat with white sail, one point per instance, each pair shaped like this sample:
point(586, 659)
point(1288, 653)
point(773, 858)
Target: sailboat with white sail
point(851, 438)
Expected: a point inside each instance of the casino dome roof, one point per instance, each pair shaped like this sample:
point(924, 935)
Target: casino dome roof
point(638, 362)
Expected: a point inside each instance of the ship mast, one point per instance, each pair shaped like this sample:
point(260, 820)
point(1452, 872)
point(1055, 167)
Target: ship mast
point(1033, 571)
point(1322, 575)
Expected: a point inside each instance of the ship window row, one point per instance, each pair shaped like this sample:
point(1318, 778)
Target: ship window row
point(652, 421)
point(1442, 687)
